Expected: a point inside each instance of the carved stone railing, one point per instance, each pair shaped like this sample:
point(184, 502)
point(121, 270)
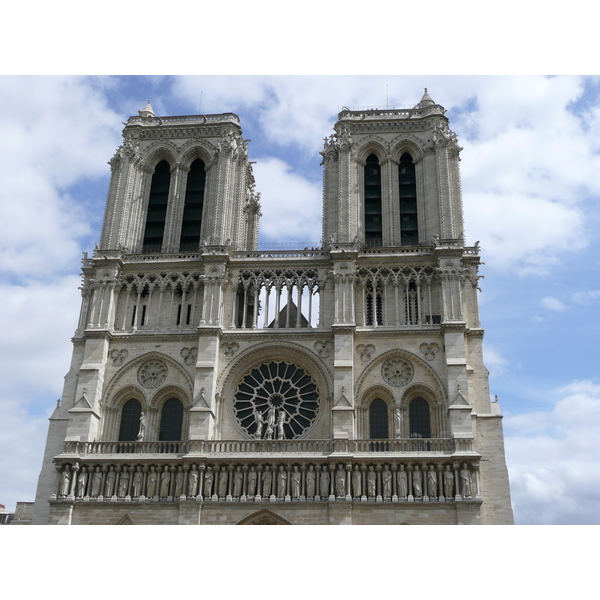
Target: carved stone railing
point(218, 448)
point(87, 448)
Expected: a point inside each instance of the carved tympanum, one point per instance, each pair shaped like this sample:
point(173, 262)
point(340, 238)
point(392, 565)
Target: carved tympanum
point(397, 372)
point(152, 374)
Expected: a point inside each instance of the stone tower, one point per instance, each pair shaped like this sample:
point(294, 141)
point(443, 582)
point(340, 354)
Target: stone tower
point(215, 383)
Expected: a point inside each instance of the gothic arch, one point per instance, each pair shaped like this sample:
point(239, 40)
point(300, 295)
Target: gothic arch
point(267, 352)
point(157, 403)
point(194, 149)
point(127, 375)
point(372, 144)
point(372, 393)
point(264, 517)
point(111, 411)
point(160, 150)
point(406, 143)
point(438, 415)
point(423, 372)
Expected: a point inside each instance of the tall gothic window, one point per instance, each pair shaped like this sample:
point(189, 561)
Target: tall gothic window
point(378, 420)
point(418, 414)
point(157, 208)
point(171, 421)
point(192, 210)
point(409, 226)
point(130, 421)
point(373, 223)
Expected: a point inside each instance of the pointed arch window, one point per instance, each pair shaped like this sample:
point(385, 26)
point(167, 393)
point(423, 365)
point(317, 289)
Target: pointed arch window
point(409, 225)
point(373, 221)
point(418, 414)
point(171, 421)
point(130, 421)
point(157, 208)
point(193, 206)
point(378, 420)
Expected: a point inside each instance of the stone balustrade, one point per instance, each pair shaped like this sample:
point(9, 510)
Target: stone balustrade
point(270, 481)
point(250, 448)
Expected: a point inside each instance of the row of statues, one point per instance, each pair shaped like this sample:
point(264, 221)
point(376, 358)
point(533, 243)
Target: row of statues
point(267, 481)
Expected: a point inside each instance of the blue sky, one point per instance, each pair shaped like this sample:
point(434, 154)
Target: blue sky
point(530, 182)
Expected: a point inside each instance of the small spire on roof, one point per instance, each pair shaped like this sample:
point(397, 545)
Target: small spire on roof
point(426, 100)
point(147, 111)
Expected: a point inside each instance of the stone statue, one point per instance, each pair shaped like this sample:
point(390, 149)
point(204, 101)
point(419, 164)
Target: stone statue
point(208, 482)
point(223, 482)
point(271, 414)
point(356, 482)
point(372, 482)
point(260, 421)
point(418, 482)
point(193, 481)
point(324, 484)
point(152, 482)
point(402, 483)
point(431, 482)
point(165, 480)
point(448, 482)
point(295, 482)
point(178, 484)
point(281, 421)
point(386, 478)
point(238, 479)
point(65, 480)
point(340, 483)
point(311, 482)
point(96, 482)
point(398, 422)
point(267, 479)
point(123, 483)
point(110, 482)
point(281, 482)
point(251, 482)
point(81, 483)
point(138, 481)
point(465, 477)
point(142, 431)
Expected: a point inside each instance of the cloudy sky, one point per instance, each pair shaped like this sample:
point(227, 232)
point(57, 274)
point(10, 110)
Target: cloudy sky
point(530, 181)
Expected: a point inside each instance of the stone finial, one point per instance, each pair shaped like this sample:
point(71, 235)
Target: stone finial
point(147, 111)
point(426, 100)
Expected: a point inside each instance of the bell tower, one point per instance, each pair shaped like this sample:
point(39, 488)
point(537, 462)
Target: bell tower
point(339, 384)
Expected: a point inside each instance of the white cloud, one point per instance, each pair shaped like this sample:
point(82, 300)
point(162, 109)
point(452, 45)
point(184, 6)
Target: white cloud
point(553, 460)
point(494, 361)
point(553, 304)
point(586, 298)
point(291, 205)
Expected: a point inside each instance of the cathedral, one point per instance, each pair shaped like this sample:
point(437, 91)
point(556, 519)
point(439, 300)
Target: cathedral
point(215, 383)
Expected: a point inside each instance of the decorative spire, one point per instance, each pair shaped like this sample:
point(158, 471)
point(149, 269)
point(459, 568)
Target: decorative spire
point(426, 100)
point(147, 111)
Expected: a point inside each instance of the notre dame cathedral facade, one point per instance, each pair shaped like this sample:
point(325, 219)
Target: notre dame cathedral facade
point(215, 383)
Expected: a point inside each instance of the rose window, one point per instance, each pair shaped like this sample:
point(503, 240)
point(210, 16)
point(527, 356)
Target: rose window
point(397, 372)
point(152, 374)
point(277, 400)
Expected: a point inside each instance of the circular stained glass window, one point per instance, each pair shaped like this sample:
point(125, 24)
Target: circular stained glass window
point(277, 400)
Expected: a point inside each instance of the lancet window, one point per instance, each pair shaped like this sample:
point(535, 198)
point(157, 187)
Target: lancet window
point(130, 421)
point(157, 208)
point(418, 414)
point(409, 225)
point(378, 420)
point(171, 421)
point(372, 199)
point(276, 299)
point(398, 297)
point(193, 206)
